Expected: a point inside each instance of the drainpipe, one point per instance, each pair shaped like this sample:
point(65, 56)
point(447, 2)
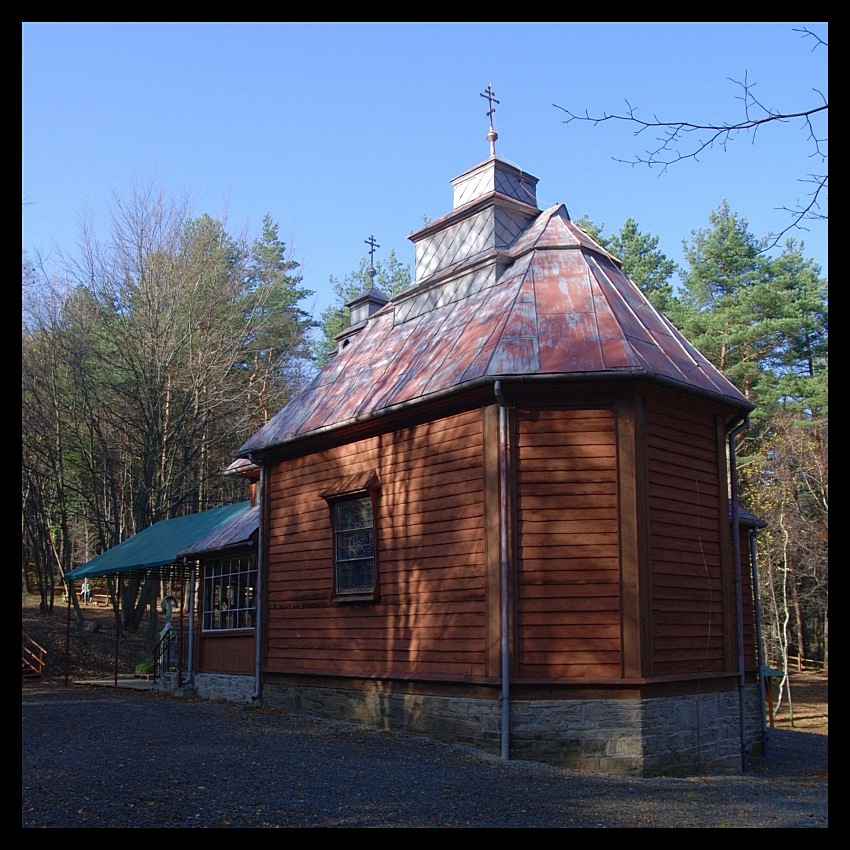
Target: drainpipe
point(759, 645)
point(258, 591)
point(189, 678)
point(739, 604)
point(504, 573)
point(70, 587)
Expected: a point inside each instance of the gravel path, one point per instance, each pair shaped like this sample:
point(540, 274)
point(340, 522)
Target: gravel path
point(99, 757)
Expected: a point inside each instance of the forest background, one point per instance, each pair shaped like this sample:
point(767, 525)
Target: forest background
point(166, 340)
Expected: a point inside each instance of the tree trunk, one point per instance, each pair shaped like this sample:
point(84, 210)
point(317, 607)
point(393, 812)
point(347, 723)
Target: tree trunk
point(798, 623)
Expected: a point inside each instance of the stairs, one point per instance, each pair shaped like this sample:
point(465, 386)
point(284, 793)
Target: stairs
point(33, 659)
point(28, 674)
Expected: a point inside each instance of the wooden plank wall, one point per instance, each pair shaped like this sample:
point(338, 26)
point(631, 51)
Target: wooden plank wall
point(690, 571)
point(430, 619)
point(229, 652)
point(568, 593)
point(748, 604)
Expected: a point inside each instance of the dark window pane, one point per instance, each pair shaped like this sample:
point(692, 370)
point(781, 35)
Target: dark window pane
point(355, 546)
point(354, 514)
point(356, 575)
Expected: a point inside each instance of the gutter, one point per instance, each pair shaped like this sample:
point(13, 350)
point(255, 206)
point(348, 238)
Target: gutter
point(266, 449)
point(504, 571)
point(759, 644)
point(739, 604)
point(258, 591)
point(189, 678)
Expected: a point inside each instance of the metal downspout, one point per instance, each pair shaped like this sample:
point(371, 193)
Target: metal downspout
point(739, 603)
point(765, 734)
point(70, 587)
point(189, 678)
point(504, 577)
point(116, 607)
point(258, 592)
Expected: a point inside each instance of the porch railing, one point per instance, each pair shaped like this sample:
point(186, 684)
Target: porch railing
point(33, 655)
point(165, 658)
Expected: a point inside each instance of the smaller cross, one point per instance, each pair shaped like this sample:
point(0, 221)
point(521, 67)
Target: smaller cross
point(372, 245)
point(371, 270)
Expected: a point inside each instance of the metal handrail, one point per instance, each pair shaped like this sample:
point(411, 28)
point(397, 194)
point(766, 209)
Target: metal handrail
point(165, 658)
point(33, 655)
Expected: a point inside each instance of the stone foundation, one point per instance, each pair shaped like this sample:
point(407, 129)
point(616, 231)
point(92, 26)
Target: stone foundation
point(220, 686)
point(169, 683)
point(688, 735)
point(685, 735)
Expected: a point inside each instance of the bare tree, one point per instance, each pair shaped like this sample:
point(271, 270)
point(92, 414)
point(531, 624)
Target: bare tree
point(136, 383)
point(49, 493)
point(787, 484)
point(683, 139)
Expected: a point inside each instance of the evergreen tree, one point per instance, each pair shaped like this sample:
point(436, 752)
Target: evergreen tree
point(723, 304)
point(801, 360)
point(761, 321)
point(277, 352)
point(391, 277)
point(640, 259)
point(594, 230)
point(644, 263)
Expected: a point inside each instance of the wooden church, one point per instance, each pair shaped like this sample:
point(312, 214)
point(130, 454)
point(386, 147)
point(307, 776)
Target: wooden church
point(503, 515)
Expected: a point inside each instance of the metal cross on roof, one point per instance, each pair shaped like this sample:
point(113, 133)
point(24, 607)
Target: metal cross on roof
point(371, 270)
point(488, 93)
point(372, 245)
point(492, 135)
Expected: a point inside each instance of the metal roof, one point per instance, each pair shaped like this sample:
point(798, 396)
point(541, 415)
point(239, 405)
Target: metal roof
point(748, 519)
point(236, 531)
point(507, 291)
point(159, 544)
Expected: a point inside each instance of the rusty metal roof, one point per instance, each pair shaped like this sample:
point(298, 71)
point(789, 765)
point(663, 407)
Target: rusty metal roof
point(236, 530)
point(243, 467)
point(548, 302)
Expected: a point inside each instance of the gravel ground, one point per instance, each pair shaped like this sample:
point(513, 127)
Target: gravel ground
point(103, 757)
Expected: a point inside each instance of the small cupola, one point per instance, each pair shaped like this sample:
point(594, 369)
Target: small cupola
point(364, 305)
point(494, 202)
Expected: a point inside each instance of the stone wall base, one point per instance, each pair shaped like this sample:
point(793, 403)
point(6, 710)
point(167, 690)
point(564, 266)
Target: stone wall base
point(221, 686)
point(683, 735)
point(169, 683)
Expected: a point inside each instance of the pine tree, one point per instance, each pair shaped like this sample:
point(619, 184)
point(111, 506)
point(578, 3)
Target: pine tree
point(721, 307)
point(277, 350)
point(640, 259)
point(391, 277)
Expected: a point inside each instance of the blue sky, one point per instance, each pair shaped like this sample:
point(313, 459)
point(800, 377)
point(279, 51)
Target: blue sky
point(342, 131)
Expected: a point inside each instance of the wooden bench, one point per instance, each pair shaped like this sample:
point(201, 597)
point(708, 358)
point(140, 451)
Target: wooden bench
point(61, 592)
point(100, 599)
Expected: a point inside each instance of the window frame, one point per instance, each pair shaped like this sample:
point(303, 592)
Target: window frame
point(353, 488)
point(238, 573)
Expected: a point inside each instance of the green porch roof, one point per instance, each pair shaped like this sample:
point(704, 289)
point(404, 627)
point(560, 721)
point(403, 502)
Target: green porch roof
point(158, 544)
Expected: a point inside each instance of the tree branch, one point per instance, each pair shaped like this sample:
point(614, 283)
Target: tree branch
point(680, 140)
